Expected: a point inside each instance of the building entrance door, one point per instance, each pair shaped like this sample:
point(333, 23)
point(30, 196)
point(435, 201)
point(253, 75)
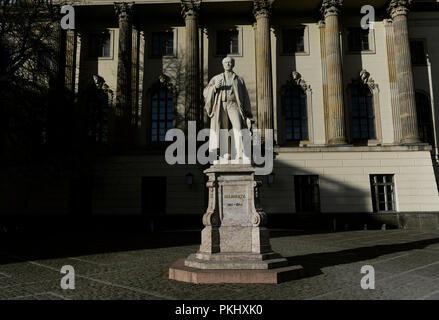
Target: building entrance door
point(154, 200)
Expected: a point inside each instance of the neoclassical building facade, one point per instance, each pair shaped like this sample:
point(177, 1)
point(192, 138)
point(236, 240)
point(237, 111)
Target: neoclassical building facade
point(352, 109)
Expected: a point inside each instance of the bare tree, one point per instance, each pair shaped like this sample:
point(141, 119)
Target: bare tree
point(29, 68)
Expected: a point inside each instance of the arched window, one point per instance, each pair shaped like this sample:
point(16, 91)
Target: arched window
point(162, 112)
point(296, 114)
point(363, 115)
point(425, 123)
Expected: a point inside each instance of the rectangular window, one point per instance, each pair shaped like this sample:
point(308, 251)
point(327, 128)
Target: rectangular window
point(417, 51)
point(383, 192)
point(307, 193)
point(227, 42)
point(162, 44)
point(358, 39)
point(293, 40)
point(99, 45)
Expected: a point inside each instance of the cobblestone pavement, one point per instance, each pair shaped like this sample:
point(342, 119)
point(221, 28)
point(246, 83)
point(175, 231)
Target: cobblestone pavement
point(406, 267)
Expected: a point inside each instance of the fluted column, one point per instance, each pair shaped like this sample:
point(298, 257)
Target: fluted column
point(190, 11)
point(336, 113)
point(59, 39)
point(264, 86)
point(394, 94)
point(322, 28)
point(399, 10)
point(124, 71)
point(70, 60)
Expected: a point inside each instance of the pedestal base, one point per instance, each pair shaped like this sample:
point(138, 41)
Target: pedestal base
point(236, 261)
point(235, 244)
point(178, 271)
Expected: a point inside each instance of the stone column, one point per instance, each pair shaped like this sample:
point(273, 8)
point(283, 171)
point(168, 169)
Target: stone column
point(394, 94)
point(124, 73)
point(78, 59)
point(141, 126)
point(190, 11)
point(336, 122)
point(70, 60)
point(322, 28)
point(264, 86)
point(399, 10)
point(59, 38)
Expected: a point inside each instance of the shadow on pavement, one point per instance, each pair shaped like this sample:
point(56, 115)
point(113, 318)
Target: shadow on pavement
point(40, 246)
point(17, 247)
point(313, 263)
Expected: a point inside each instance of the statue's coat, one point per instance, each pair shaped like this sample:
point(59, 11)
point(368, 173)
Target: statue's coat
point(214, 101)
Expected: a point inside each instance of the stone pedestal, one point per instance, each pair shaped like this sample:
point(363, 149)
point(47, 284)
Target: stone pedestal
point(234, 236)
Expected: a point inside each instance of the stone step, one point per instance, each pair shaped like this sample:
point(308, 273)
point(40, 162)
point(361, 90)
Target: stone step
point(236, 256)
point(180, 272)
point(236, 265)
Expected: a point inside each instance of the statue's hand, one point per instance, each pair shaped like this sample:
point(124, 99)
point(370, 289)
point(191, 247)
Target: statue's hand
point(249, 123)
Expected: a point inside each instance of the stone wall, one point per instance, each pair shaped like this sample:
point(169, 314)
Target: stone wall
point(344, 182)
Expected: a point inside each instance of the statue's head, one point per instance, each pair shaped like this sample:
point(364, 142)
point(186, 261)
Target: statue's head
point(228, 63)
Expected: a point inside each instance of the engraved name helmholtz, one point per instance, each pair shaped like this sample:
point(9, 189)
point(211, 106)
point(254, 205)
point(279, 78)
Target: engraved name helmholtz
point(234, 196)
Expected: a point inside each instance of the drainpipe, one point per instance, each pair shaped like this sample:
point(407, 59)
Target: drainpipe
point(433, 113)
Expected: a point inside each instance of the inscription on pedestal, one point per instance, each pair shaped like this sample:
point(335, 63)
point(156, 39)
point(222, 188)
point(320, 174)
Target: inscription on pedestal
point(235, 206)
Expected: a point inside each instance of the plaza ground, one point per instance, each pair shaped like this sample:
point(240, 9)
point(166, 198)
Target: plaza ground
point(135, 266)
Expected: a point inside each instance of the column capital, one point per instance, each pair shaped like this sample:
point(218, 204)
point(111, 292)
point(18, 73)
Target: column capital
point(399, 7)
point(331, 7)
point(190, 8)
point(262, 8)
point(124, 10)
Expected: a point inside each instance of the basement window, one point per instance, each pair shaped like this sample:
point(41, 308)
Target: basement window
point(307, 193)
point(383, 192)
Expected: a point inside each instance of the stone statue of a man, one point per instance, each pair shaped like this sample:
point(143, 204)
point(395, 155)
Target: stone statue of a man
point(226, 98)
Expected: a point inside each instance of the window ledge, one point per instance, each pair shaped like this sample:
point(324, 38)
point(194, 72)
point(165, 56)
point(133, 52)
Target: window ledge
point(88, 59)
point(373, 143)
point(305, 144)
point(219, 55)
point(361, 52)
point(384, 212)
point(168, 56)
point(295, 54)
